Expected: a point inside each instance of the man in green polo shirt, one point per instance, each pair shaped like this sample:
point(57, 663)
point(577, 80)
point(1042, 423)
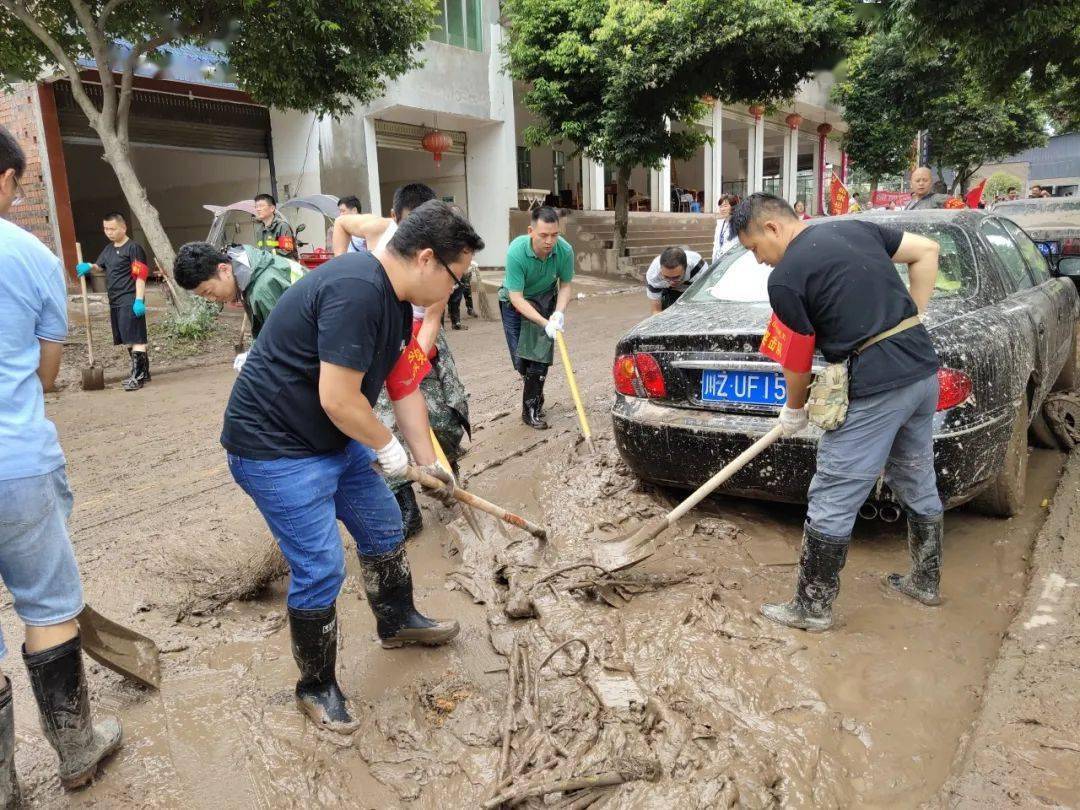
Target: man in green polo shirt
point(532, 300)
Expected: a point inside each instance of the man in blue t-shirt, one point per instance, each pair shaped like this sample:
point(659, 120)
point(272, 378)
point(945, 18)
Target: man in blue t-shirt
point(836, 281)
point(36, 560)
point(304, 443)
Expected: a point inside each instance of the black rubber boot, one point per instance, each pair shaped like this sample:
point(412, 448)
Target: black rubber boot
point(140, 372)
point(9, 785)
point(314, 648)
point(924, 543)
point(816, 588)
point(56, 675)
point(389, 589)
point(466, 291)
point(532, 398)
point(412, 520)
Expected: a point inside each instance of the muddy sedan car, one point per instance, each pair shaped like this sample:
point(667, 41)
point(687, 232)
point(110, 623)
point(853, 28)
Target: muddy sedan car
point(693, 391)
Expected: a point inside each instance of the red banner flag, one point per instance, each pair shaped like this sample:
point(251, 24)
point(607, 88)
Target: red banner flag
point(792, 350)
point(838, 197)
point(974, 197)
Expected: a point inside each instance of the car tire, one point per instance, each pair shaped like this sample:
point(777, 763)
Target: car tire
point(1041, 435)
point(1005, 495)
point(1067, 379)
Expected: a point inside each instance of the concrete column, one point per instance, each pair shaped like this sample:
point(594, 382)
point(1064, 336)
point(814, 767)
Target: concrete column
point(751, 162)
point(714, 175)
point(759, 155)
point(592, 172)
point(793, 164)
point(813, 206)
point(785, 167)
point(371, 159)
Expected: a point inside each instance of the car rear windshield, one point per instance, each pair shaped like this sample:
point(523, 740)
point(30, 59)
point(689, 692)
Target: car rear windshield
point(738, 277)
point(1011, 209)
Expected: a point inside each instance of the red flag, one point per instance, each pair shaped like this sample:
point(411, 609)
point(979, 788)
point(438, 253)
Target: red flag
point(792, 350)
point(975, 195)
point(838, 197)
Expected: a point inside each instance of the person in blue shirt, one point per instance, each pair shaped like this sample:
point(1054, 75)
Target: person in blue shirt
point(37, 563)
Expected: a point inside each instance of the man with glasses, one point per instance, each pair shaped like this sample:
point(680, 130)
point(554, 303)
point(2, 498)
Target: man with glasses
point(444, 393)
point(305, 444)
point(670, 275)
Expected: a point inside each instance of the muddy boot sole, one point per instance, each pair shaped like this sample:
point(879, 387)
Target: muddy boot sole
point(435, 636)
point(113, 731)
point(791, 615)
point(895, 583)
point(317, 715)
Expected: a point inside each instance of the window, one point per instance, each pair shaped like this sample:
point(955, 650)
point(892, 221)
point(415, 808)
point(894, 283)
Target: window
point(460, 23)
point(524, 161)
point(1015, 268)
point(558, 165)
point(1036, 262)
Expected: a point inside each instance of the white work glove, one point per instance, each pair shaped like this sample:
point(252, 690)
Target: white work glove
point(555, 324)
point(793, 420)
point(393, 460)
point(445, 493)
point(238, 361)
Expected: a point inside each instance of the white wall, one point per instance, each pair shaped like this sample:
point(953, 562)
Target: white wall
point(400, 166)
point(296, 139)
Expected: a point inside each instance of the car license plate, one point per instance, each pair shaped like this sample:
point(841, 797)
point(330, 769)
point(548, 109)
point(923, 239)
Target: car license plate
point(746, 387)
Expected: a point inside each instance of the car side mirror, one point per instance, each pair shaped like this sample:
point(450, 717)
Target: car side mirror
point(1069, 267)
point(299, 228)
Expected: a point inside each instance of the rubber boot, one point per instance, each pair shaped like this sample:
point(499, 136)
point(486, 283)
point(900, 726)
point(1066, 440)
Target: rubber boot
point(412, 520)
point(531, 399)
point(389, 589)
point(314, 648)
point(816, 588)
point(140, 371)
point(56, 675)
point(9, 784)
point(924, 543)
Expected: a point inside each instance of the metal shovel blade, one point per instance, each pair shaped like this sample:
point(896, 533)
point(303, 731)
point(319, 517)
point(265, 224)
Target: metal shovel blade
point(93, 378)
point(121, 649)
point(619, 554)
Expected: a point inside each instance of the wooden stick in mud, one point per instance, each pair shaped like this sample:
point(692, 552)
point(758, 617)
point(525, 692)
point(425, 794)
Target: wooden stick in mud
point(508, 720)
point(606, 779)
point(418, 476)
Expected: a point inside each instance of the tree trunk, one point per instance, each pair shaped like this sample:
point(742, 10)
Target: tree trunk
point(622, 205)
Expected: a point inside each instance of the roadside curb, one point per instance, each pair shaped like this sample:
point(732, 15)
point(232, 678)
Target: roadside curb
point(1022, 749)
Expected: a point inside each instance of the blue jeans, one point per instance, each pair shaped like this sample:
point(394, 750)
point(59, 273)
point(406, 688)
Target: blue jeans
point(37, 563)
point(890, 432)
point(511, 322)
point(302, 499)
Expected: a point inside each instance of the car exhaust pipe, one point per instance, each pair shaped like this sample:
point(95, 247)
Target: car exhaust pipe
point(889, 513)
point(868, 511)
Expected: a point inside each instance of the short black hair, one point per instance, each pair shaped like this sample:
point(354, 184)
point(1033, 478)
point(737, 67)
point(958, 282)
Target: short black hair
point(545, 213)
point(352, 201)
point(435, 225)
point(114, 216)
point(11, 154)
point(758, 206)
point(267, 197)
point(673, 257)
point(411, 196)
point(197, 262)
point(1012, 188)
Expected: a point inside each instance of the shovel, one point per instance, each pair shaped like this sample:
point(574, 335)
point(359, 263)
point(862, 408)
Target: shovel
point(574, 392)
point(618, 554)
point(239, 346)
point(119, 648)
point(420, 477)
point(93, 376)
point(470, 516)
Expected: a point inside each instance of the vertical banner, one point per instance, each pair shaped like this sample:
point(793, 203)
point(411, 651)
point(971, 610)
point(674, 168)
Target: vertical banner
point(838, 197)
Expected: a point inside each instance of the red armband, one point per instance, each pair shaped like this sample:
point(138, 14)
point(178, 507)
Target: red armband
point(416, 324)
point(286, 243)
point(407, 373)
point(139, 271)
point(792, 350)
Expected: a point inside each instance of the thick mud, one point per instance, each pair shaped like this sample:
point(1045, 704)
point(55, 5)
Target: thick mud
point(660, 685)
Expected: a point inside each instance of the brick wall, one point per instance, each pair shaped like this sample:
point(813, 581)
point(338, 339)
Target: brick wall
point(19, 115)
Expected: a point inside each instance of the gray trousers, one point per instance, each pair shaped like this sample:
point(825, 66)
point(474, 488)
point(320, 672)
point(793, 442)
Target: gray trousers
point(890, 432)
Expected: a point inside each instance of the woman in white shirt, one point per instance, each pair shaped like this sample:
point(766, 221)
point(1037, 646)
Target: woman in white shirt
point(723, 236)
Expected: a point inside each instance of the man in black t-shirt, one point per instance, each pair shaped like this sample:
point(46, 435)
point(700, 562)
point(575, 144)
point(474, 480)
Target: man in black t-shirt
point(304, 443)
point(836, 281)
point(126, 272)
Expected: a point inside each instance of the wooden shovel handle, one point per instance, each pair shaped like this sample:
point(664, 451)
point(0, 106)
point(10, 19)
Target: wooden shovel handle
point(422, 478)
point(85, 308)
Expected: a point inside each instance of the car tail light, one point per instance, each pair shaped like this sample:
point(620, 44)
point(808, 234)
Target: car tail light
point(625, 372)
point(954, 387)
point(1070, 247)
point(652, 378)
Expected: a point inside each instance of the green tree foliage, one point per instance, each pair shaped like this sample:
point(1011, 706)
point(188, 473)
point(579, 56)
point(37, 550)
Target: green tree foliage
point(1008, 40)
point(318, 56)
point(999, 183)
point(609, 75)
point(895, 90)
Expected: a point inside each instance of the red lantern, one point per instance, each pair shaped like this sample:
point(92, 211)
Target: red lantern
point(437, 142)
point(757, 110)
point(793, 120)
point(824, 129)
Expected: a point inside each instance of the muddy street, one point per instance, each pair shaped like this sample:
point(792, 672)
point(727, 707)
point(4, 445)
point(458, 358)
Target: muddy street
point(684, 683)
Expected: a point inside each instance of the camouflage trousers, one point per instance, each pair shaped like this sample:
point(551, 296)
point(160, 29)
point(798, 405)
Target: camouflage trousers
point(447, 404)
